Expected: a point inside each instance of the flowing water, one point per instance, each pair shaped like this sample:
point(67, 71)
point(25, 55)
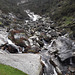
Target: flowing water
point(51, 65)
point(32, 16)
point(62, 43)
point(45, 56)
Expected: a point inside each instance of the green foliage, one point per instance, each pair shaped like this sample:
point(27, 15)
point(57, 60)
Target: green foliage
point(7, 70)
point(11, 6)
point(68, 10)
point(68, 20)
point(0, 23)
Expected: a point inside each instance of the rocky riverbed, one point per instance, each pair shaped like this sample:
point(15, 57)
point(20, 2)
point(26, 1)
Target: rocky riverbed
point(36, 41)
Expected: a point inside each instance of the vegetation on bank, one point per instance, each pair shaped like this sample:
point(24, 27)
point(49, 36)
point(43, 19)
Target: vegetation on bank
point(7, 70)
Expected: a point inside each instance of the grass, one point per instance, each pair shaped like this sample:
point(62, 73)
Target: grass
point(7, 70)
point(68, 20)
point(0, 23)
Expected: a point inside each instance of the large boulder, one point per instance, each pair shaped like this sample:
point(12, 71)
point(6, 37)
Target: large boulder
point(64, 48)
point(28, 63)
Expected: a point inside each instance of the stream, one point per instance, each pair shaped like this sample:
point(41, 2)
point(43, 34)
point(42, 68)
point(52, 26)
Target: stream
point(50, 58)
point(39, 36)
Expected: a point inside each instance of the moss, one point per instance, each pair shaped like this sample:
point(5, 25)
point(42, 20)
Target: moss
point(1, 23)
point(31, 51)
point(68, 20)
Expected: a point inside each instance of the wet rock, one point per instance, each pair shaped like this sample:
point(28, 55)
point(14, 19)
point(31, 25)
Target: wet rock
point(53, 33)
point(53, 62)
point(47, 66)
point(20, 42)
point(73, 59)
point(37, 33)
point(0, 12)
point(3, 51)
point(1, 25)
point(19, 38)
point(52, 26)
point(4, 16)
point(72, 69)
point(64, 47)
point(7, 23)
point(56, 64)
point(47, 39)
point(58, 71)
point(32, 32)
point(63, 32)
point(11, 48)
point(72, 35)
point(34, 50)
point(40, 43)
point(53, 51)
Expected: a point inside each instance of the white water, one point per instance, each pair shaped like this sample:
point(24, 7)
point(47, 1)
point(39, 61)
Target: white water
point(22, 2)
point(71, 61)
point(46, 64)
point(32, 16)
point(55, 73)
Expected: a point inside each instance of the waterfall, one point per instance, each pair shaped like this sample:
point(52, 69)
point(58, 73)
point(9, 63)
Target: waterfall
point(32, 16)
point(71, 61)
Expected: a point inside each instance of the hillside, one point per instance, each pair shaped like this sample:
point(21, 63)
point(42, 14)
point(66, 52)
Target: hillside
point(11, 6)
point(62, 12)
point(37, 36)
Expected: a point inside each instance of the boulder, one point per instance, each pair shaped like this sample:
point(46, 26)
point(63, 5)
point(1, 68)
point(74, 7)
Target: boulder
point(65, 48)
point(53, 33)
point(28, 63)
point(47, 38)
point(11, 48)
point(40, 43)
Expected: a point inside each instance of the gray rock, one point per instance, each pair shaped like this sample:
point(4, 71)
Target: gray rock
point(64, 47)
point(53, 33)
point(28, 63)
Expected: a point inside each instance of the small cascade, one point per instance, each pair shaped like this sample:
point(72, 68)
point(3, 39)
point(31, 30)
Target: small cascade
point(50, 44)
point(48, 67)
point(71, 61)
point(32, 15)
point(45, 59)
point(48, 70)
point(55, 73)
